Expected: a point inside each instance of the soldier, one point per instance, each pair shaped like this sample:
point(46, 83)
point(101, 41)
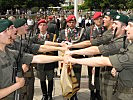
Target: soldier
point(73, 34)
point(94, 31)
point(45, 70)
point(120, 22)
point(8, 61)
point(62, 22)
point(52, 27)
point(123, 64)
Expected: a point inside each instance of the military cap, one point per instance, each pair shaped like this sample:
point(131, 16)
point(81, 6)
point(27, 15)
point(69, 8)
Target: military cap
point(4, 24)
point(131, 18)
point(97, 15)
point(111, 13)
point(42, 21)
point(19, 22)
point(50, 17)
point(70, 18)
point(122, 18)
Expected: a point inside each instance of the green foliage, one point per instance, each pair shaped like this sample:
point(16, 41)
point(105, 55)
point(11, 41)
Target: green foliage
point(27, 4)
point(88, 4)
point(105, 4)
point(70, 7)
point(64, 7)
point(82, 7)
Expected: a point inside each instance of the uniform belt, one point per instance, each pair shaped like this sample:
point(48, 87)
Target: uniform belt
point(125, 90)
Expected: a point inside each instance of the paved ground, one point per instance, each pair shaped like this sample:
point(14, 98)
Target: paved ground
point(83, 93)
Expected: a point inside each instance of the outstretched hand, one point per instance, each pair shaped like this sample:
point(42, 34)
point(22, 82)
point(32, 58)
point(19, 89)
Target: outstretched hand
point(67, 58)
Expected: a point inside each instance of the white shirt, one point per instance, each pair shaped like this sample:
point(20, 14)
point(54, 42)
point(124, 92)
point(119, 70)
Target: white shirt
point(30, 22)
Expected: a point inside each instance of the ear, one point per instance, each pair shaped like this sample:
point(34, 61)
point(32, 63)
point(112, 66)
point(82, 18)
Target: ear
point(47, 26)
point(112, 20)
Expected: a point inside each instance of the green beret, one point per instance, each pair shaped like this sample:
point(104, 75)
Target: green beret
point(19, 22)
point(4, 24)
point(111, 13)
point(131, 18)
point(122, 18)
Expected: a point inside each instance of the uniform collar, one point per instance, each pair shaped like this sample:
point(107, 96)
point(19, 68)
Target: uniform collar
point(44, 34)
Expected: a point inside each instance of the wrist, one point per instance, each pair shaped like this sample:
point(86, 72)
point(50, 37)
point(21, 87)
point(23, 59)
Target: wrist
point(17, 85)
point(59, 44)
point(61, 58)
point(73, 60)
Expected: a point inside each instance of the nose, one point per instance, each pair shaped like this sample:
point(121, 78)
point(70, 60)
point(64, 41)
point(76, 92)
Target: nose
point(126, 27)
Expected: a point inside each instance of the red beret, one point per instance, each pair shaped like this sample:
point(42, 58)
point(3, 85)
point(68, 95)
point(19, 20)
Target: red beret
point(70, 17)
point(50, 17)
point(97, 15)
point(42, 21)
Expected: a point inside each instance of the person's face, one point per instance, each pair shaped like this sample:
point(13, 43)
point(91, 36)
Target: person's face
point(42, 27)
point(22, 30)
point(5, 37)
point(71, 24)
point(129, 30)
point(117, 25)
point(98, 21)
point(13, 32)
point(107, 21)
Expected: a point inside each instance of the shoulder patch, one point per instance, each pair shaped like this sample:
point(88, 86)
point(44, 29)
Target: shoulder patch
point(123, 58)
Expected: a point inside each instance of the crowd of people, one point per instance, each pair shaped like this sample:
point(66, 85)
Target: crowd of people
point(102, 41)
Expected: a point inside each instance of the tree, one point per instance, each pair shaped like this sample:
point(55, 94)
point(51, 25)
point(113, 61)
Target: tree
point(11, 4)
point(109, 4)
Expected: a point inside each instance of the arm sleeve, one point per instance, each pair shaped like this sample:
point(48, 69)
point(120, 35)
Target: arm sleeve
point(61, 36)
point(122, 61)
point(111, 48)
point(34, 48)
point(27, 58)
point(104, 39)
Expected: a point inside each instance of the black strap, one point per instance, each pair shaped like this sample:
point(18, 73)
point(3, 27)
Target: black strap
point(28, 44)
point(115, 33)
point(124, 41)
